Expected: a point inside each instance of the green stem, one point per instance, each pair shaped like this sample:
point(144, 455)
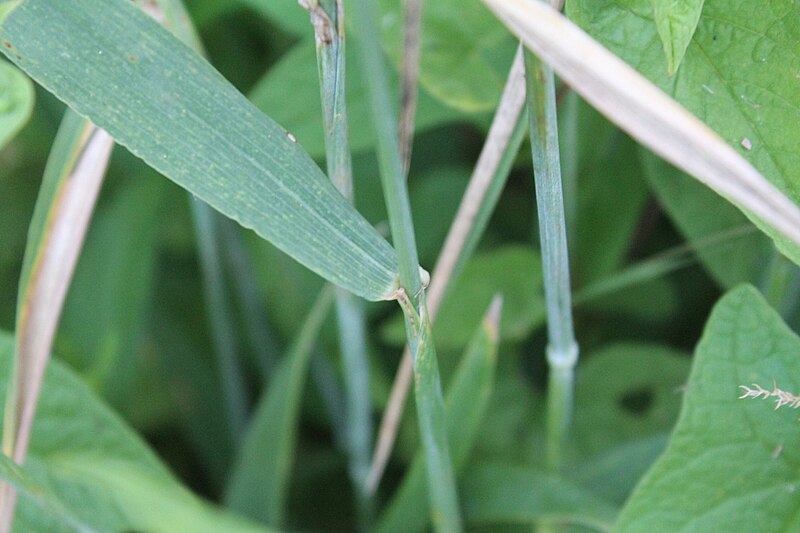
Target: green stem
point(430, 404)
point(327, 17)
point(562, 349)
point(218, 308)
point(391, 167)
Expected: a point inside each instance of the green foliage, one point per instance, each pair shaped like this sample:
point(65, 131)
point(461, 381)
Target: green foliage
point(274, 188)
point(733, 75)
point(676, 22)
point(89, 471)
point(730, 463)
point(470, 52)
point(649, 251)
point(16, 101)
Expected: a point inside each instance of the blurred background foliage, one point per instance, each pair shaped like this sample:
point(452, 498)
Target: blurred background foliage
point(135, 327)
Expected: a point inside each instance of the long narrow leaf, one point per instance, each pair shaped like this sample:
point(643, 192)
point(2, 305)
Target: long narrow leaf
point(168, 106)
point(651, 117)
point(465, 404)
point(260, 478)
point(66, 200)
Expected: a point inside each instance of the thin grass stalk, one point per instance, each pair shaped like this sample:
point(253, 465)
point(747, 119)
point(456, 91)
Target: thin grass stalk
point(409, 75)
point(562, 349)
point(410, 294)
point(481, 196)
point(327, 17)
point(391, 167)
point(261, 341)
point(651, 117)
point(218, 309)
point(72, 181)
point(207, 225)
point(659, 265)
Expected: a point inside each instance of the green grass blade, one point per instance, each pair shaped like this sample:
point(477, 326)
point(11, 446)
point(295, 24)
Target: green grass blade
point(327, 17)
point(562, 349)
point(485, 185)
point(16, 101)
point(218, 310)
point(652, 118)
point(260, 478)
point(395, 191)
point(74, 172)
point(411, 295)
point(465, 404)
point(169, 107)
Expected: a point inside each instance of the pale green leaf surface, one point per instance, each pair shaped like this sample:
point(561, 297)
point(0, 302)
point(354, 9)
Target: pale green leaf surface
point(699, 213)
point(85, 464)
point(169, 107)
point(35, 496)
point(16, 101)
point(465, 405)
point(739, 76)
point(731, 464)
point(289, 93)
point(466, 52)
point(515, 272)
point(624, 392)
point(507, 494)
point(676, 21)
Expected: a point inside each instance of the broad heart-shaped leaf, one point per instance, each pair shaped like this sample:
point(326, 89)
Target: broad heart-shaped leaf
point(699, 213)
point(676, 21)
point(117, 66)
point(739, 75)
point(466, 52)
point(87, 471)
point(625, 392)
point(16, 101)
point(731, 464)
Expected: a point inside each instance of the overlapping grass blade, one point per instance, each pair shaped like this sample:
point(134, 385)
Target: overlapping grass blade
point(115, 65)
point(651, 117)
point(72, 180)
point(411, 294)
point(327, 17)
point(465, 404)
point(258, 484)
